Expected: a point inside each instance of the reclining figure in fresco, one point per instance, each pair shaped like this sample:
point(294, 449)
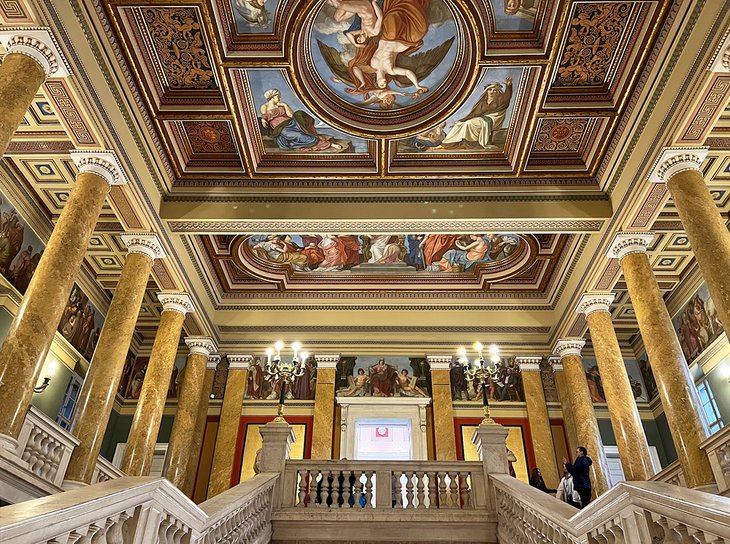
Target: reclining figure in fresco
point(358, 385)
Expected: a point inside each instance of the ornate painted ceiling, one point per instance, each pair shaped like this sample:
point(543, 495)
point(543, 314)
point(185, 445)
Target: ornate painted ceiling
point(392, 175)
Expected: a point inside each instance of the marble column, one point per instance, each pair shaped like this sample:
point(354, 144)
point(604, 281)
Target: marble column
point(537, 415)
point(34, 327)
point(564, 398)
point(94, 405)
point(196, 437)
point(679, 168)
point(225, 441)
point(140, 450)
point(633, 448)
point(676, 387)
point(443, 411)
point(324, 406)
point(32, 55)
point(179, 454)
point(587, 432)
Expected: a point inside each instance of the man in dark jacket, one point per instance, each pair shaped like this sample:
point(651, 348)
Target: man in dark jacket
point(580, 469)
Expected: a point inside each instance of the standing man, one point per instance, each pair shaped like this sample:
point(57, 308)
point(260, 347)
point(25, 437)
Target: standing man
point(580, 469)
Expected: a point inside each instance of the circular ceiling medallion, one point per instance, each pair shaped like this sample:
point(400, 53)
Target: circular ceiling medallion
point(384, 67)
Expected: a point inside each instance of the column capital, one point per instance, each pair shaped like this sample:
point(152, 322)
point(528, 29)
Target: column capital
point(146, 243)
point(202, 345)
point(626, 243)
point(556, 363)
point(673, 160)
point(176, 302)
point(213, 360)
point(439, 362)
point(528, 364)
point(720, 61)
point(103, 163)
point(239, 362)
point(569, 346)
point(327, 361)
point(595, 302)
point(39, 44)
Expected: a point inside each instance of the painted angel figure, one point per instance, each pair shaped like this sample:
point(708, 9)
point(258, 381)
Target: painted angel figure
point(407, 385)
point(358, 385)
point(254, 12)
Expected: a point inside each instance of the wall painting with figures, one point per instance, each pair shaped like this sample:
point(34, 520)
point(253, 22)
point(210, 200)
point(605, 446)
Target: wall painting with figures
point(260, 386)
point(387, 376)
point(595, 383)
point(697, 324)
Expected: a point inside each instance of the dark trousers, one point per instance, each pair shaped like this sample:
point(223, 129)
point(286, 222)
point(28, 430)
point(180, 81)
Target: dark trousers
point(585, 496)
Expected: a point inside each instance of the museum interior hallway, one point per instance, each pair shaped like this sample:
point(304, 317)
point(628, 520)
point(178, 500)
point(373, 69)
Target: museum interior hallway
point(413, 271)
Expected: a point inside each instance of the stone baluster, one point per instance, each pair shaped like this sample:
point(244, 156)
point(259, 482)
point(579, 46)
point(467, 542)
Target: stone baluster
point(140, 449)
point(34, 327)
point(32, 56)
point(443, 413)
point(324, 406)
point(96, 399)
point(630, 438)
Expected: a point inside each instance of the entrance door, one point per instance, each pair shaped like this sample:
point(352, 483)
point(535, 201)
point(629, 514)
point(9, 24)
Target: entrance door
point(383, 440)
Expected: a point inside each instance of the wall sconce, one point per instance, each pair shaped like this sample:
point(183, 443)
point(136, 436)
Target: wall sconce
point(51, 370)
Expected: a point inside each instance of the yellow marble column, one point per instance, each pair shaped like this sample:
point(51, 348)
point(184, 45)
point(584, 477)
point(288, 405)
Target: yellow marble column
point(676, 387)
point(564, 398)
point(324, 406)
point(587, 432)
point(32, 55)
point(708, 235)
point(179, 454)
point(96, 399)
point(196, 438)
point(140, 450)
point(537, 415)
point(633, 448)
point(443, 411)
point(34, 327)
point(225, 441)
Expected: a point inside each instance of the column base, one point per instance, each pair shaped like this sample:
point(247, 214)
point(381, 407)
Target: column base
point(68, 485)
point(9, 443)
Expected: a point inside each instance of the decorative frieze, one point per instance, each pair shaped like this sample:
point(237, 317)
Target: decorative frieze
point(176, 302)
point(239, 362)
point(39, 44)
point(327, 361)
point(568, 346)
point(148, 244)
point(673, 160)
point(202, 345)
point(103, 163)
point(439, 362)
point(528, 364)
point(626, 243)
point(595, 302)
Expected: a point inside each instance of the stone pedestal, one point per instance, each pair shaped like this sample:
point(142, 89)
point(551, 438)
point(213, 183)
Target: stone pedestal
point(681, 402)
point(630, 438)
point(276, 441)
point(443, 412)
point(225, 441)
point(140, 450)
point(34, 327)
point(96, 399)
point(491, 443)
point(324, 406)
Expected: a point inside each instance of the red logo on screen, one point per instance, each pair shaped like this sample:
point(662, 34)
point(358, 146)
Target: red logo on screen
point(381, 432)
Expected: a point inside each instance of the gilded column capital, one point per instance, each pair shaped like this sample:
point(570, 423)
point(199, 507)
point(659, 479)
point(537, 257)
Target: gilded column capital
point(213, 360)
point(103, 163)
point(202, 345)
point(569, 346)
point(626, 243)
point(595, 302)
point(556, 363)
point(720, 61)
point(673, 160)
point(39, 44)
point(239, 362)
point(176, 302)
point(528, 364)
point(146, 243)
point(439, 362)
point(327, 361)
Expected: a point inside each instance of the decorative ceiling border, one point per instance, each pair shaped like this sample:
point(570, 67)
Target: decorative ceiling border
point(329, 199)
point(230, 329)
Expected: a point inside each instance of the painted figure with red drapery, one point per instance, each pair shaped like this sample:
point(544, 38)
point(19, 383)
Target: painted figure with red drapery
point(382, 379)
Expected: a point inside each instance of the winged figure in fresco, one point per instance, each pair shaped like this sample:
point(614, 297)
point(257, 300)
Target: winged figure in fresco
point(253, 12)
point(386, 35)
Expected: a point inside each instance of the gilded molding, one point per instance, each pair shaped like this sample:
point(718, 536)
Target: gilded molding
point(39, 44)
point(626, 243)
point(148, 244)
point(568, 346)
point(595, 302)
point(176, 302)
point(103, 163)
point(673, 160)
point(528, 364)
point(239, 362)
point(202, 345)
point(720, 61)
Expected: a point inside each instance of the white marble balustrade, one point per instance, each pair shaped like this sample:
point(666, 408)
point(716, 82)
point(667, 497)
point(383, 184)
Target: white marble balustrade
point(105, 471)
point(671, 474)
point(717, 448)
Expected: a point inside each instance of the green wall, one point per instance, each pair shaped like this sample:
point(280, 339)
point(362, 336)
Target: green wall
point(718, 381)
point(117, 432)
point(654, 436)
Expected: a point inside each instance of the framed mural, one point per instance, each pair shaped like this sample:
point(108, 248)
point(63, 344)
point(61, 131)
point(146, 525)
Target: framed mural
point(395, 376)
point(504, 384)
point(697, 324)
point(259, 386)
point(595, 383)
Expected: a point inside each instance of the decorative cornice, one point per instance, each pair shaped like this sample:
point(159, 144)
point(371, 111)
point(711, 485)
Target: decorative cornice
point(176, 302)
point(103, 163)
point(569, 346)
point(528, 364)
point(39, 44)
point(595, 302)
point(439, 362)
point(213, 361)
point(327, 361)
point(626, 243)
point(239, 362)
point(673, 160)
point(201, 345)
point(720, 61)
point(556, 363)
point(148, 244)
